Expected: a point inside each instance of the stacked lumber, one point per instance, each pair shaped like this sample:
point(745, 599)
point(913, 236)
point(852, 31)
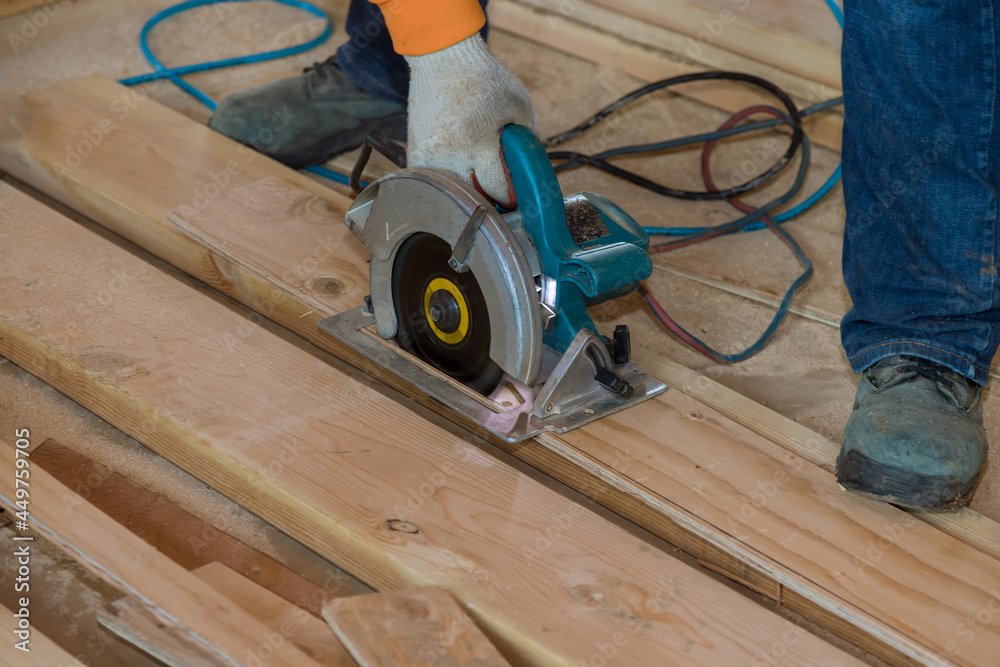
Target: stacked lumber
point(122, 559)
point(214, 393)
point(136, 623)
point(657, 39)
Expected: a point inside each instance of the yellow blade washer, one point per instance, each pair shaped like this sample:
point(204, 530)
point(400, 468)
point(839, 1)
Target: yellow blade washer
point(455, 337)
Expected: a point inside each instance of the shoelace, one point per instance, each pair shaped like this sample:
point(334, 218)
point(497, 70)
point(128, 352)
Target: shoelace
point(321, 67)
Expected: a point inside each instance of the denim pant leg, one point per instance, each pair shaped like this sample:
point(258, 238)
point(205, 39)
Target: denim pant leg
point(368, 58)
point(921, 158)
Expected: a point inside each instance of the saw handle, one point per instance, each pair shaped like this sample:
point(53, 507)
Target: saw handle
point(539, 197)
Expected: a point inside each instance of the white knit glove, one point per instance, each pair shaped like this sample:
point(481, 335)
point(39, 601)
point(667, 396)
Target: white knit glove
point(461, 98)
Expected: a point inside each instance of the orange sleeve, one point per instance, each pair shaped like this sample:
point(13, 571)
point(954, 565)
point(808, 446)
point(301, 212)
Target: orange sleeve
point(419, 27)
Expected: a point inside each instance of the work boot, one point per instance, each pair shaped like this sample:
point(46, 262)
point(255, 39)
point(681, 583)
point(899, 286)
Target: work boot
point(307, 119)
point(916, 435)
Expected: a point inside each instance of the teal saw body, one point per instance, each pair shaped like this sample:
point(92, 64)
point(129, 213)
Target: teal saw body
point(581, 271)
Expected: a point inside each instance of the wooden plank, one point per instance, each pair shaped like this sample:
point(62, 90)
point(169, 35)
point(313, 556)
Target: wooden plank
point(810, 21)
point(412, 626)
point(122, 559)
point(286, 621)
point(642, 62)
point(346, 470)
point(135, 624)
point(706, 52)
point(39, 650)
point(730, 28)
point(297, 292)
point(177, 534)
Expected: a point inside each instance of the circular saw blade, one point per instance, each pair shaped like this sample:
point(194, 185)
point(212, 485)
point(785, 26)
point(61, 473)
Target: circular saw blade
point(442, 314)
point(422, 200)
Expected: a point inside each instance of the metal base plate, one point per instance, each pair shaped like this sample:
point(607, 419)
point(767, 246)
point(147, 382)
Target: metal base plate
point(511, 418)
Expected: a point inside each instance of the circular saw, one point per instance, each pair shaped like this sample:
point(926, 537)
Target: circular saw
point(488, 307)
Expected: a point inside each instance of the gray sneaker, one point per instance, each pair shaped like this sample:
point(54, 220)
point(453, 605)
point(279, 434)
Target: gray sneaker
point(916, 435)
point(307, 119)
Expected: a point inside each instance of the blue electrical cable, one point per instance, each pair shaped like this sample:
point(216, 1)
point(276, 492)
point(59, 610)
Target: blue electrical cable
point(174, 73)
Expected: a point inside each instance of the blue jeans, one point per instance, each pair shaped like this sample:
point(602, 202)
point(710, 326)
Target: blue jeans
point(368, 58)
point(921, 158)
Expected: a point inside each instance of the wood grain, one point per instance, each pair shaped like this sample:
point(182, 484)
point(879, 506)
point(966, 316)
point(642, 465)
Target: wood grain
point(135, 624)
point(239, 218)
point(177, 534)
point(733, 27)
point(327, 252)
point(417, 627)
point(709, 51)
point(391, 497)
point(122, 559)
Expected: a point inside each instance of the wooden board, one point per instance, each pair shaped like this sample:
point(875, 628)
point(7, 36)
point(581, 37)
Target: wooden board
point(286, 621)
point(779, 45)
point(648, 64)
point(810, 21)
point(41, 650)
point(412, 626)
point(122, 559)
point(964, 524)
point(352, 474)
point(318, 269)
point(709, 52)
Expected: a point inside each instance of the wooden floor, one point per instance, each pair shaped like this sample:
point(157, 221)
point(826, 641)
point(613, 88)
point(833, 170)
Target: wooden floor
point(720, 286)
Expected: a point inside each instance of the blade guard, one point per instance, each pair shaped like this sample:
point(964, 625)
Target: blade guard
point(434, 201)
